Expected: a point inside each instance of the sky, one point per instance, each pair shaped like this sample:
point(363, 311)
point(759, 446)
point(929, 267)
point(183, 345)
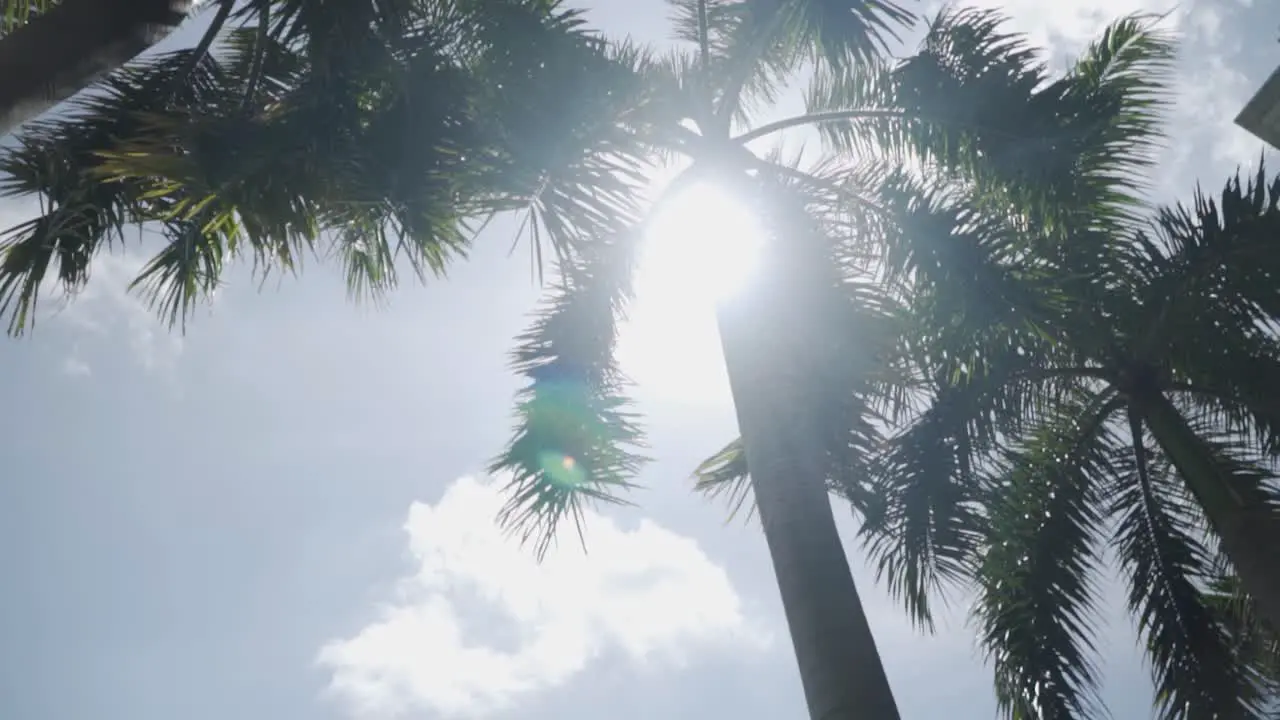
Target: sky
point(282, 512)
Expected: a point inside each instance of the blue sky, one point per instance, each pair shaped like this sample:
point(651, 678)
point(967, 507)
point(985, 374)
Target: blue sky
point(279, 513)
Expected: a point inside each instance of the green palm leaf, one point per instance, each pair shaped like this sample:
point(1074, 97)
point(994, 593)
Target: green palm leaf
point(56, 159)
point(1197, 669)
point(394, 140)
point(1209, 303)
point(1037, 600)
point(16, 13)
point(978, 99)
point(576, 439)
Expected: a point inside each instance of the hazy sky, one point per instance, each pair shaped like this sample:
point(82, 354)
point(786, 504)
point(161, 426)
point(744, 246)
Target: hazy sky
point(280, 515)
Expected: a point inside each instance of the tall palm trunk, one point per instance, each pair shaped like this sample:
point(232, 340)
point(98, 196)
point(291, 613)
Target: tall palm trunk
point(768, 355)
point(75, 43)
point(1249, 530)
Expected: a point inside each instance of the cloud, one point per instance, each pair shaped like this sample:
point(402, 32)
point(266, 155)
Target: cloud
point(1067, 26)
point(1212, 89)
point(105, 306)
point(479, 624)
point(75, 367)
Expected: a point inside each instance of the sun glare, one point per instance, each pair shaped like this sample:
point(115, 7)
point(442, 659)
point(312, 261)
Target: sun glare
point(702, 246)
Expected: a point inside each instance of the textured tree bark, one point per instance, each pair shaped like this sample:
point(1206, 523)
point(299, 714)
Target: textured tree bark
point(768, 344)
point(72, 45)
point(1248, 529)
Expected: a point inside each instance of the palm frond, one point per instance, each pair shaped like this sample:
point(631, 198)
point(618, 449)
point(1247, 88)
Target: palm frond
point(928, 479)
point(57, 160)
point(947, 246)
point(16, 13)
point(1036, 593)
point(757, 55)
point(754, 46)
point(1125, 80)
point(276, 67)
point(928, 525)
point(1195, 666)
point(843, 33)
point(1207, 305)
point(978, 100)
point(572, 147)
point(576, 439)
point(724, 475)
point(966, 64)
point(187, 270)
point(396, 139)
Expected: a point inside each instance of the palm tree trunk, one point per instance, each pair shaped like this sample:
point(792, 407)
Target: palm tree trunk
point(840, 667)
point(1248, 529)
point(75, 43)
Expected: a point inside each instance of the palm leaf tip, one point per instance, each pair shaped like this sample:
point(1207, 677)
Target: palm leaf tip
point(845, 32)
point(724, 475)
point(574, 445)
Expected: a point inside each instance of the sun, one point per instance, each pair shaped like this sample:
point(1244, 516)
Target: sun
point(702, 246)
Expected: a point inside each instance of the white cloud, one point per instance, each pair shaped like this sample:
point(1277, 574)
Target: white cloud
point(105, 306)
point(1067, 26)
point(649, 594)
point(1208, 146)
point(75, 367)
point(1212, 95)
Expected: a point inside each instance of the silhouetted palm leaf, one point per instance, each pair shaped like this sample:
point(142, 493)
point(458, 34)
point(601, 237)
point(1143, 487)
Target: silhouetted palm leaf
point(1198, 669)
point(383, 142)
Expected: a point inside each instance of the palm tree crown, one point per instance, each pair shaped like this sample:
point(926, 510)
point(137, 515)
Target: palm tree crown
point(1087, 380)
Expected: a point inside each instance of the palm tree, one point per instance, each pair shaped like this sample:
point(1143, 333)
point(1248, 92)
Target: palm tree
point(576, 440)
point(1164, 406)
point(973, 111)
point(51, 49)
point(1084, 380)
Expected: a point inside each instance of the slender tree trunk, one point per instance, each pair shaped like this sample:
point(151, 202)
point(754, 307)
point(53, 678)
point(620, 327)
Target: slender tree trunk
point(1248, 529)
point(75, 43)
point(767, 353)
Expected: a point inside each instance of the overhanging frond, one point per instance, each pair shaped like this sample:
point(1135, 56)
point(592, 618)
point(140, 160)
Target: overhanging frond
point(1207, 303)
point(1037, 595)
point(57, 160)
point(929, 523)
point(576, 439)
point(1195, 667)
point(978, 100)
